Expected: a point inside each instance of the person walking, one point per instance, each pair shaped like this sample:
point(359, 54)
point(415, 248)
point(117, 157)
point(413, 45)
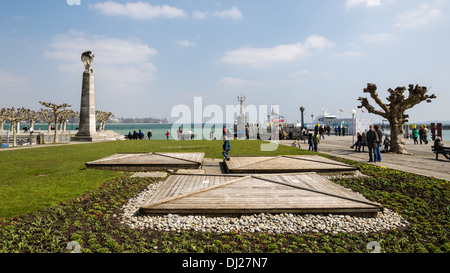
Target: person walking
point(167, 134)
point(180, 133)
point(322, 132)
point(226, 147)
point(415, 135)
point(149, 134)
point(421, 135)
point(310, 142)
point(316, 141)
point(379, 143)
point(371, 137)
point(425, 134)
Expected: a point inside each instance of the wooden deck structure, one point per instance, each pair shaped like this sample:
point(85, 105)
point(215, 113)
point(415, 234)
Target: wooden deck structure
point(256, 193)
point(285, 164)
point(141, 162)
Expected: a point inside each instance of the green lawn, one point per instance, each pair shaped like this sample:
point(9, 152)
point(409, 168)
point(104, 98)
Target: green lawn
point(32, 179)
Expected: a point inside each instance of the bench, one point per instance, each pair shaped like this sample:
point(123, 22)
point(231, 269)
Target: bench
point(445, 151)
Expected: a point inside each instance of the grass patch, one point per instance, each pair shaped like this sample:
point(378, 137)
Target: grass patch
point(32, 179)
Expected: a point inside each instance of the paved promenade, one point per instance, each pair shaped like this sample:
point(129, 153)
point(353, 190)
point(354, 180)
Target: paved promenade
point(422, 161)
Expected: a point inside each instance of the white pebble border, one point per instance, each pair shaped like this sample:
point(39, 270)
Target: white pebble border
point(269, 223)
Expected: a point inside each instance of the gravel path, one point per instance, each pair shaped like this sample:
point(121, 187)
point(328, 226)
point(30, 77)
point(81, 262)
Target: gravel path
point(270, 223)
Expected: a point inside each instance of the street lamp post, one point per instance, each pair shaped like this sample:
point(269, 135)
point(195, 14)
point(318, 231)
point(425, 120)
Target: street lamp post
point(302, 109)
point(353, 125)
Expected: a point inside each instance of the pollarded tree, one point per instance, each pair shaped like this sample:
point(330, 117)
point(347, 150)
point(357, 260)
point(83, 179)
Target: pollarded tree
point(15, 117)
point(32, 116)
point(3, 118)
point(47, 115)
point(394, 112)
point(56, 108)
point(65, 115)
point(102, 117)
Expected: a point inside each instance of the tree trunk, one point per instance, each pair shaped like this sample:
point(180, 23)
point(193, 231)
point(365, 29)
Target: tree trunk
point(397, 137)
point(13, 126)
point(56, 130)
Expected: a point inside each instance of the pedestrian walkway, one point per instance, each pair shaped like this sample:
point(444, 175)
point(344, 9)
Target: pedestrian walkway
point(422, 161)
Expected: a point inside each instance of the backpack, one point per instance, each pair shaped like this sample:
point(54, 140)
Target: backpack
point(316, 139)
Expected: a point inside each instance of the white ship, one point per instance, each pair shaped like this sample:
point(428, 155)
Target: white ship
point(322, 119)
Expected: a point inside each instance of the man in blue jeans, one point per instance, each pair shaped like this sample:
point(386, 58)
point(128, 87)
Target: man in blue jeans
point(226, 148)
point(379, 144)
point(371, 138)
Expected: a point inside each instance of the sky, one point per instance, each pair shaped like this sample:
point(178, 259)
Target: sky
point(151, 56)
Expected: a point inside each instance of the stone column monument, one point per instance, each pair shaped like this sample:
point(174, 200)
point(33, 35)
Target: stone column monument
point(241, 121)
point(87, 127)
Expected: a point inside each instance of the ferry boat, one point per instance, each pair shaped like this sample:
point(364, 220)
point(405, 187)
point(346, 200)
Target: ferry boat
point(324, 118)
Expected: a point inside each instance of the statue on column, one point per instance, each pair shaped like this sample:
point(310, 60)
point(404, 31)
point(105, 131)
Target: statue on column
point(87, 58)
point(241, 100)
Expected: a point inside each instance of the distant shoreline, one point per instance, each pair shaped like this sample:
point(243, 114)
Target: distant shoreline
point(137, 123)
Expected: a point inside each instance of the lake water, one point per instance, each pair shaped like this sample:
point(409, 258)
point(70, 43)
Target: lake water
point(159, 130)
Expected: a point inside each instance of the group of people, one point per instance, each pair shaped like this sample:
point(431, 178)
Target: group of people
point(374, 142)
point(421, 134)
point(373, 139)
point(139, 135)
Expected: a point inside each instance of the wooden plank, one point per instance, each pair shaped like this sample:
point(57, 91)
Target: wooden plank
point(196, 158)
point(285, 164)
point(172, 198)
point(256, 195)
point(149, 161)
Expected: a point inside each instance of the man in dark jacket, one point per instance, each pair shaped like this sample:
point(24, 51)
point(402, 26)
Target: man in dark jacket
point(226, 148)
point(371, 137)
point(379, 143)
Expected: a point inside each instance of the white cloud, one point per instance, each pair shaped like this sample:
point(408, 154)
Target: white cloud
point(235, 82)
point(233, 13)
point(282, 53)
point(349, 4)
point(186, 43)
point(318, 42)
point(138, 10)
point(118, 62)
point(422, 16)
